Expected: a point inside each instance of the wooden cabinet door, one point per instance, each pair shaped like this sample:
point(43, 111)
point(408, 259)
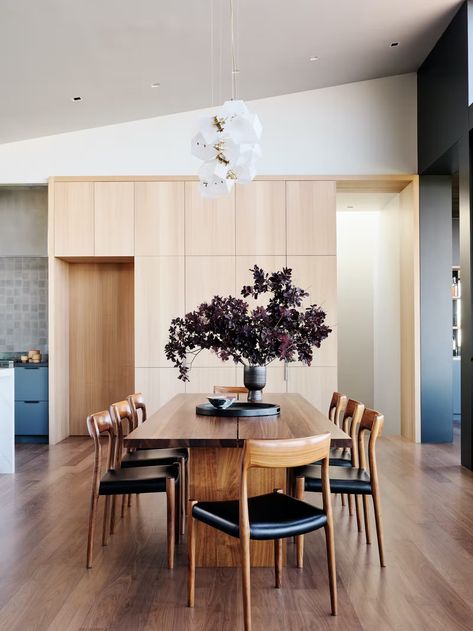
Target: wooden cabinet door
point(159, 218)
point(311, 217)
point(210, 223)
point(73, 219)
point(159, 297)
point(318, 276)
point(314, 383)
point(261, 218)
point(114, 219)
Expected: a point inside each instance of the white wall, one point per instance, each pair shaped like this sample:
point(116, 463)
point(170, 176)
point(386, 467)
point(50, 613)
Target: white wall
point(368, 276)
point(358, 128)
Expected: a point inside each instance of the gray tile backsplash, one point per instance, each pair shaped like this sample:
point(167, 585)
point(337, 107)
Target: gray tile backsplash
point(23, 303)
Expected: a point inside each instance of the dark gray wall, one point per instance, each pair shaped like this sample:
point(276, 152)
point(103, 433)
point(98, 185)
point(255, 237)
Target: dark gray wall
point(436, 308)
point(24, 221)
point(442, 93)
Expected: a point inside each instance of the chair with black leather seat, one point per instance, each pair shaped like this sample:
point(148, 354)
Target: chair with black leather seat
point(123, 481)
point(336, 408)
point(154, 456)
point(273, 516)
point(348, 457)
point(122, 413)
point(357, 480)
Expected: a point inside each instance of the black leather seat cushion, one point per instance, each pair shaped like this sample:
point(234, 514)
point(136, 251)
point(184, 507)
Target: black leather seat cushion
point(152, 457)
point(342, 479)
point(338, 458)
point(272, 516)
point(137, 480)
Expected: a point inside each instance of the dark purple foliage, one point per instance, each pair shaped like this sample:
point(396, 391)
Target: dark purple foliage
point(282, 329)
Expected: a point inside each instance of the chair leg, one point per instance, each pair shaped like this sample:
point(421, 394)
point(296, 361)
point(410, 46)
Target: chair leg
point(171, 518)
point(246, 581)
point(92, 519)
point(366, 511)
point(177, 511)
point(350, 505)
point(113, 518)
point(332, 571)
point(358, 512)
point(106, 521)
point(190, 556)
point(183, 493)
point(379, 526)
point(278, 562)
point(343, 499)
point(300, 551)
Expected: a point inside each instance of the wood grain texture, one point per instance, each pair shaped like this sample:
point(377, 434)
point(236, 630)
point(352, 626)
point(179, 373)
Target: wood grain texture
point(73, 219)
point(315, 383)
point(159, 297)
point(58, 329)
point(178, 425)
point(215, 475)
point(101, 345)
point(410, 312)
point(311, 217)
point(158, 386)
point(159, 218)
point(210, 223)
point(318, 276)
point(207, 276)
point(261, 218)
point(114, 218)
point(45, 586)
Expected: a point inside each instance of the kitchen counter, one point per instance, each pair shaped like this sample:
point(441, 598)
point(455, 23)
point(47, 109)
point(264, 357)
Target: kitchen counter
point(7, 420)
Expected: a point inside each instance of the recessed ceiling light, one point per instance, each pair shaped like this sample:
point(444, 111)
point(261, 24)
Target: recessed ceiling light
point(313, 58)
point(394, 44)
point(155, 85)
point(77, 98)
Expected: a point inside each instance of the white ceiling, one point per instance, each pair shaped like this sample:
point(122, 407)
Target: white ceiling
point(110, 51)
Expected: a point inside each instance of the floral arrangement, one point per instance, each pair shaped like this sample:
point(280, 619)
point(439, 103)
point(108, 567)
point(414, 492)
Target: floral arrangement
point(281, 329)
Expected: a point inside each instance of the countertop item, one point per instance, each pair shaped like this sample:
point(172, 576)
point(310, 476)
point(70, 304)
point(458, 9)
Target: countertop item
point(241, 408)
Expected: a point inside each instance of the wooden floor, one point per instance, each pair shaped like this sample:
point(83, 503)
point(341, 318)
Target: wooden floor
point(428, 584)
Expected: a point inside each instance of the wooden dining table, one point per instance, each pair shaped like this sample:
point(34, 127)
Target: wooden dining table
point(215, 444)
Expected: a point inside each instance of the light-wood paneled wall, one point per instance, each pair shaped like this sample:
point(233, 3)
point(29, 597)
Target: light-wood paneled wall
point(101, 349)
point(185, 249)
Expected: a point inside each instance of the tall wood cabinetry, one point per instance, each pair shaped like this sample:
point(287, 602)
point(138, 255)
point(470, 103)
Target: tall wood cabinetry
point(175, 249)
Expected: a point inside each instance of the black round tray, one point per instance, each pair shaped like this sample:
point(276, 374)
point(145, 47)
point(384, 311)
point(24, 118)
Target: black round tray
point(239, 409)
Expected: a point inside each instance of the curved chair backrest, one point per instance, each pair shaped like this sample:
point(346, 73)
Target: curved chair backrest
point(137, 402)
point(295, 452)
point(371, 422)
point(336, 408)
point(100, 424)
point(122, 414)
point(231, 390)
point(351, 422)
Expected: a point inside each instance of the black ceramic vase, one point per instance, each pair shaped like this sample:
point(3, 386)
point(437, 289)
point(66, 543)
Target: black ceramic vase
point(254, 378)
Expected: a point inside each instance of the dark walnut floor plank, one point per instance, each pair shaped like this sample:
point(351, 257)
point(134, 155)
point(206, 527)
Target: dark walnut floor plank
point(427, 501)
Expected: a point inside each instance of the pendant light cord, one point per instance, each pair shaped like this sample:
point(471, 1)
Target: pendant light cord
point(234, 68)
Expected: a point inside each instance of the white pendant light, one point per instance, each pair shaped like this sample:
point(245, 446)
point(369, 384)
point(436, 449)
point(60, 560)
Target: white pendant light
point(227, 141)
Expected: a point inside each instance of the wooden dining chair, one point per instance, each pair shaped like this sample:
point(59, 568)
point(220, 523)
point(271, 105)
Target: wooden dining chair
point(357, 480)
point(154, 456)
point(231, 390)
point(348, 457)
point(118, 481)
point(122, 413)
point(273, 516)
point(336, 408)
